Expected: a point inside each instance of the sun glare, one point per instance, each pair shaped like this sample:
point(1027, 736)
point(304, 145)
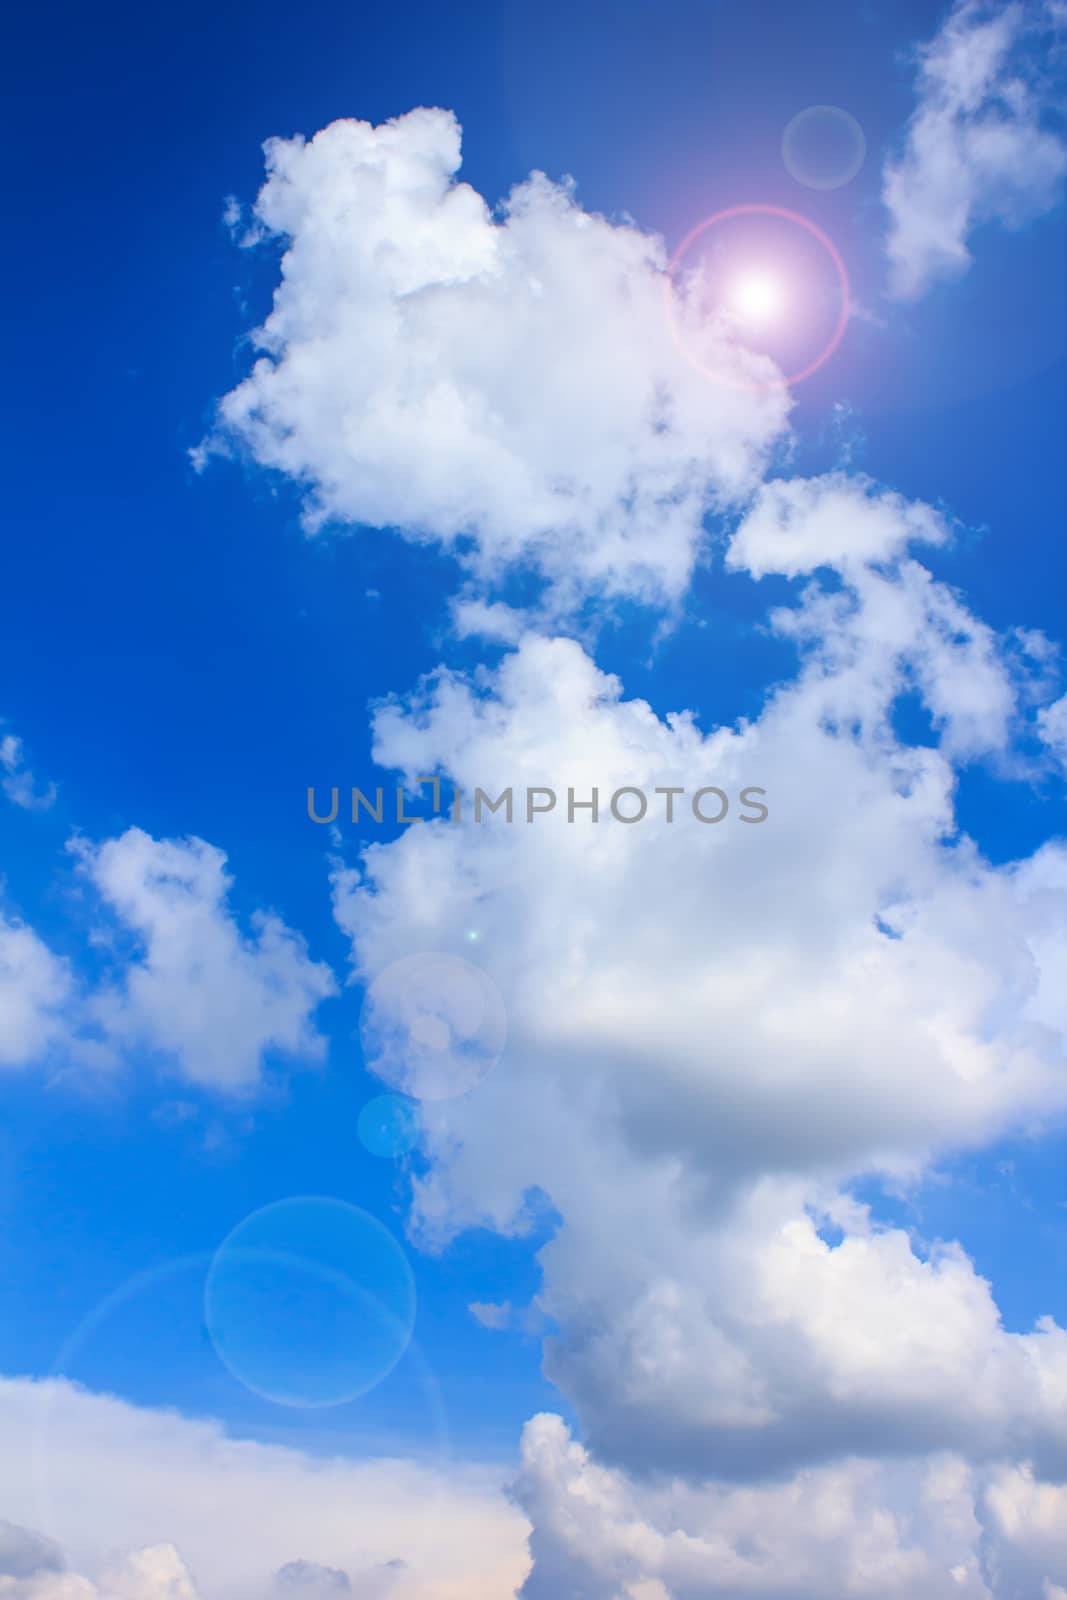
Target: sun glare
point(757, 297)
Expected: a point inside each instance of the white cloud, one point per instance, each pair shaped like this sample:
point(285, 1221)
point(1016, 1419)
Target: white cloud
point(713, 1028)
point(492, 1315)
point(200, 991)
point(857, 831)
point(496, 622)
point(892, 627)
point(925, 1528)
point(671, 1044)
point(1026, 1523)
point(976, 149)
point(35, 986)
point(1052, 729)
point(156, 1573)
point(18, 782)
point(796, 525)
point(149, 1505)
point(508, 387)
point(185, 982)
point(307, 1580)
point(248, 1519)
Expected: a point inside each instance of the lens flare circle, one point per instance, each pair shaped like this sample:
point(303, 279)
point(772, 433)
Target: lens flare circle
point(310, 1302)
point(832, 253)
point(388, 1125)
point(823, 147)
point(432, 1026)
point(146, 1292)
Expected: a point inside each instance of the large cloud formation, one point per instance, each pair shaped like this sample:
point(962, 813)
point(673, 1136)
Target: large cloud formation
point(33, 1568)
point(206, 1517)
point(978, 148)
point(713, 1029)
point(507, 386)
point(930, 1529)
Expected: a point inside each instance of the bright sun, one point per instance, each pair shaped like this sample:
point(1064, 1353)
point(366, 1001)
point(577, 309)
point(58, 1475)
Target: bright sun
point(757, 297)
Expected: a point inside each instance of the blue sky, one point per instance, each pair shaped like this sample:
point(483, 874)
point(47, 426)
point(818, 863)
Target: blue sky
point(179, 656)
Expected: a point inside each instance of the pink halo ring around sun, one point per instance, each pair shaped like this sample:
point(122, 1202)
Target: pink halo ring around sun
point(789, 216)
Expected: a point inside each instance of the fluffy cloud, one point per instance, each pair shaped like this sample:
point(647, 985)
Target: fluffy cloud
point(749, 1343)
point(714, 1027)
point(977, 149)
point(843, 521)
point(111, 1475)
point(892, 627)
point(33, 1568)
point(1026, 1533)
point(1052, 729)
point(886, 927)
point(306, 1580)
point(200, 991)
point(930, 1528)
point(185, 982)
point(248, 1519)
point(670, 1045)
point(18, 782)
point(158, 1572)
point(508, 387)
point(34, 988)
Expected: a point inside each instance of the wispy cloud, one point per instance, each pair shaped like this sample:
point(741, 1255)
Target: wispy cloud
point(978, 148)
point(16, 779)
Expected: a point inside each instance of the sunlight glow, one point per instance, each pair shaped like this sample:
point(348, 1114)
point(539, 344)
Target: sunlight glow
point(758, 297)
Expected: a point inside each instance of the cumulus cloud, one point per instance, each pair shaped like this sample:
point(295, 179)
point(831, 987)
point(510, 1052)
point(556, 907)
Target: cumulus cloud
point(248, 1519)
point(882, 918)
point(35, 986)
point(16, 779)
point(891, 627)
point(978, 148)
point(1026, 1533)
point(504, 384)
point(842, 521)
point(714, 1027)
point(930, 1528)
point(183, 981)
point(306, 1580)
point(481, 620)
point(200, 991)
point(153, 1573)
point(671, 1044)
point(158, 1572)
